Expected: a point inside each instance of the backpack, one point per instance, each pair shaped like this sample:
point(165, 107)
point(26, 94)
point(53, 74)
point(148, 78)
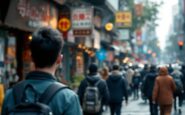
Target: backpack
point(39, 106)
point(178, 83)
point(92, 99)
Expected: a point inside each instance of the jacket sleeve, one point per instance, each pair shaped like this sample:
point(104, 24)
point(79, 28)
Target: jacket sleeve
point(125, 90)
point(144, 86)
point(73, 107)
point(155, 90)
point(105, 93)
point(173, 86)
point(81, 91)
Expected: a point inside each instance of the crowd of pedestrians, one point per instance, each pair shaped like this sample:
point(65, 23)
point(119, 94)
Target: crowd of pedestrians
point(109, 87)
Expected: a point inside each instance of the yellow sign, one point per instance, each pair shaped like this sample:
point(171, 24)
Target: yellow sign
point(64, 24)
point(109, 26)
point(123, 19)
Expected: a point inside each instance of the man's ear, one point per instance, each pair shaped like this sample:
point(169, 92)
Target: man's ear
point(59, 59)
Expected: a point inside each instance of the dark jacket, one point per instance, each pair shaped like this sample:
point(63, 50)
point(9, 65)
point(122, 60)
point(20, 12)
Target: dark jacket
point(65, 102)
point(102, 86)
point(148, 84)
point(117, 87)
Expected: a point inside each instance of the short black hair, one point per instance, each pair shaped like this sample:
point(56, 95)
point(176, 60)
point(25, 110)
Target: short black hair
point(115, 67)
point(93, 68)
point(45, 46)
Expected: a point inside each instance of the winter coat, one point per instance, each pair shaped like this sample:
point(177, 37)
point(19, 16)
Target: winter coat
point(102, 86)
point(136, 81)
point(148, 83)
point(163, 90)
point(130, 74)
point(117, 87)
point(65, 102)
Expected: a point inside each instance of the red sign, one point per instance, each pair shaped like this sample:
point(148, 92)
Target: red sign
point(64, 24)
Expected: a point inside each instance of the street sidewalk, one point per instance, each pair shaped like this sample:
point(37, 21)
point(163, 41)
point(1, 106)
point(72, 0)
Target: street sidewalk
point(139, 107)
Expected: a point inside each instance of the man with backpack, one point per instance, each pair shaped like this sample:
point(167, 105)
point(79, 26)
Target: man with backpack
point(93, 92)
point(177, 76)
point(118, 90)
point(40, 93)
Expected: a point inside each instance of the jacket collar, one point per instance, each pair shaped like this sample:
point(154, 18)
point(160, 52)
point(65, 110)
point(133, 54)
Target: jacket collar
point(38, 75)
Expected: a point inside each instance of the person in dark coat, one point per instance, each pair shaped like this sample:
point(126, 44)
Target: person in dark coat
point(136, 83)
point(117, 88)
point(148, 86)
point(183, 78)
point(92, 78)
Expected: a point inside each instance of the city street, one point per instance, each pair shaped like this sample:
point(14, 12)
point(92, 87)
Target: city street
point(138, 107)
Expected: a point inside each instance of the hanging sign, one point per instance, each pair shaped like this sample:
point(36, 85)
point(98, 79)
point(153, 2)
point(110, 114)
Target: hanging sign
point(82, 21)
point(64, 24)
point(123, 19)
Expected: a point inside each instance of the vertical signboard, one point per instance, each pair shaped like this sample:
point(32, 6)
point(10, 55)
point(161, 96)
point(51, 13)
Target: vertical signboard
point(139, 9)
point(123, 19)
point(82, 21)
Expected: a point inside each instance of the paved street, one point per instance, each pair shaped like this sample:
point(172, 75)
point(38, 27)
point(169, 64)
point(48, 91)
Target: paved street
point(138, 107)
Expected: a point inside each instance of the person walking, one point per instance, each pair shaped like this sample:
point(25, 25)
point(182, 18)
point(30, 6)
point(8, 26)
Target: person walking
point(117, 88)
point(136, 80)
point(164, 89)
point(92, 82)
point(46, 46)
point(148, 86)
point(177, 76)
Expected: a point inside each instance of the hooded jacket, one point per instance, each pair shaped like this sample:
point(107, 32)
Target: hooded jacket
point(164, 88)
point(148, 83)
point(65, 102)
point(91, 80)
point(117, 87)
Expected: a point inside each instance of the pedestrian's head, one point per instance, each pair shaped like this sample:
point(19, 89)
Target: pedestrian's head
point(163, 71)
point(115, 67)
point(152, 68)
point(93, 69)
point(46, 47)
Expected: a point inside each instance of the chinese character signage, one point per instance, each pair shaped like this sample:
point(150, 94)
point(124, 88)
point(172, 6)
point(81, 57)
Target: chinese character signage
point(64, 24)
point(82, 21)
point(123, 19)
point(31, 14)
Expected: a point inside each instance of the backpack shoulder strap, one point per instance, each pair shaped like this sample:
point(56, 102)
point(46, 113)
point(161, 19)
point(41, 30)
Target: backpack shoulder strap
point(18, 90)
point(50, 92)
point(97, 83)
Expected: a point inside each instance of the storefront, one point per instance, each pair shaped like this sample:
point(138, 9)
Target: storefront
point(24, 17)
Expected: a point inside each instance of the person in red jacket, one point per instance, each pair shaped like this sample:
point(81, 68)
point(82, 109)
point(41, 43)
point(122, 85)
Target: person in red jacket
point(163, 91)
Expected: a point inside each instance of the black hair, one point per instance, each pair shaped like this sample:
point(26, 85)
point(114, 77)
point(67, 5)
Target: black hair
point(115, 67)
point(45, 46)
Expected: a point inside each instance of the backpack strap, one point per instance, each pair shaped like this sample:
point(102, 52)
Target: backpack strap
point(50, 92)
point(97, 83)
point(18, 92)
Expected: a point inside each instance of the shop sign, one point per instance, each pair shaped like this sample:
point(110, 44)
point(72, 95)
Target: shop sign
point(139, 9)
point(70, 37)
point(31, 14)
point(96, 39)
point(82, 21)
point(123, 19)
point(97, 21)
point(124, 34)
point(64, 24)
